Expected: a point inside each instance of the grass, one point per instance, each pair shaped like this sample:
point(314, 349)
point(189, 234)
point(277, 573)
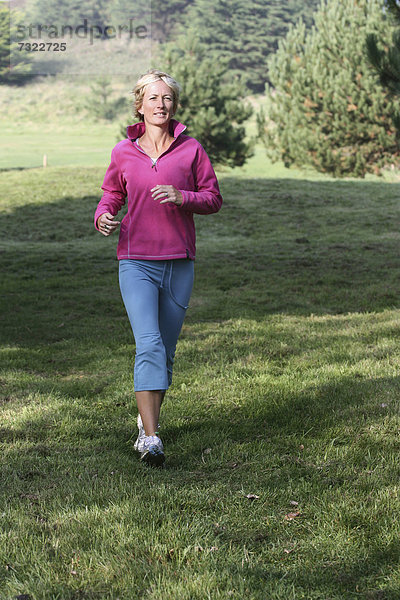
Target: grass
point(286, 389)
point(50, 116)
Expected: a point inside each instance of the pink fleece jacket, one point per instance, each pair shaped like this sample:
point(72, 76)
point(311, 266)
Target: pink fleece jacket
point(150, 230)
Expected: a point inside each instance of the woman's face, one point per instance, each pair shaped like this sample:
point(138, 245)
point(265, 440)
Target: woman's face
point(157, 105)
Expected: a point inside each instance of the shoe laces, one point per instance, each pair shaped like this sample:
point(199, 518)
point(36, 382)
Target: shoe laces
point(152, 440)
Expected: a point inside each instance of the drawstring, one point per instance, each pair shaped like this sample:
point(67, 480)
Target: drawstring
point(170, 289)
point(169, 280)
point(162, 277)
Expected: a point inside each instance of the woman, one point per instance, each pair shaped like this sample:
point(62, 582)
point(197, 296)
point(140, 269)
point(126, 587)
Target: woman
point(167, 176)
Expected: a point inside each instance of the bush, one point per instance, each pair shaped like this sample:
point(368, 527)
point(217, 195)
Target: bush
point(327, 110)
point(99, 103)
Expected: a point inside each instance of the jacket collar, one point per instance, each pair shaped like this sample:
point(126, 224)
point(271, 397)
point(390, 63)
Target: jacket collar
point(138, 129)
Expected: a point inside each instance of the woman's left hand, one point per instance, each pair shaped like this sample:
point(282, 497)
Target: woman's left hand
point(168, 193)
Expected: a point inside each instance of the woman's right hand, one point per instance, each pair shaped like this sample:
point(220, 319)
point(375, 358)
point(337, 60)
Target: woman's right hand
point(106, 224)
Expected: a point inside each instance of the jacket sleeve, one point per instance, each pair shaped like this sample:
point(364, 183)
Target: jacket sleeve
point(114, 188)
point(206, 198)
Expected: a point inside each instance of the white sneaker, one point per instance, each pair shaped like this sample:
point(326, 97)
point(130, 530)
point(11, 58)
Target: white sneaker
point(153, 451)
point(138, 445)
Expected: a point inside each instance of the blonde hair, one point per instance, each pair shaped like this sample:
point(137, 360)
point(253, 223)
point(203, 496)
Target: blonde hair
point(152, 76)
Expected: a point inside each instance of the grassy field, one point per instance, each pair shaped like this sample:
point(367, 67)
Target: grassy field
point(50, 116)
point(281, 427)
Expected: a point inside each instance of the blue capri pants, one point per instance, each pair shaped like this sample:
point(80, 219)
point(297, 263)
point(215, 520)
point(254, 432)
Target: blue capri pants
point(156, 295)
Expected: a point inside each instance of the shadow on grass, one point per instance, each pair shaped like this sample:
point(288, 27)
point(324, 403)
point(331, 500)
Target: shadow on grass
point(315, 409)
point(277, 246)
point(84, 447)
point(5, 169)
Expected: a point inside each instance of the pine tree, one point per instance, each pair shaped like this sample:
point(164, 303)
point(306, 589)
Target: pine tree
point(212, 110)
point(85, 14)
point(4, 43)
point(245, 32)
point(99, 102)
point(166, 15)
point(326, 110)
point(387, 61)
point(14, 67)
